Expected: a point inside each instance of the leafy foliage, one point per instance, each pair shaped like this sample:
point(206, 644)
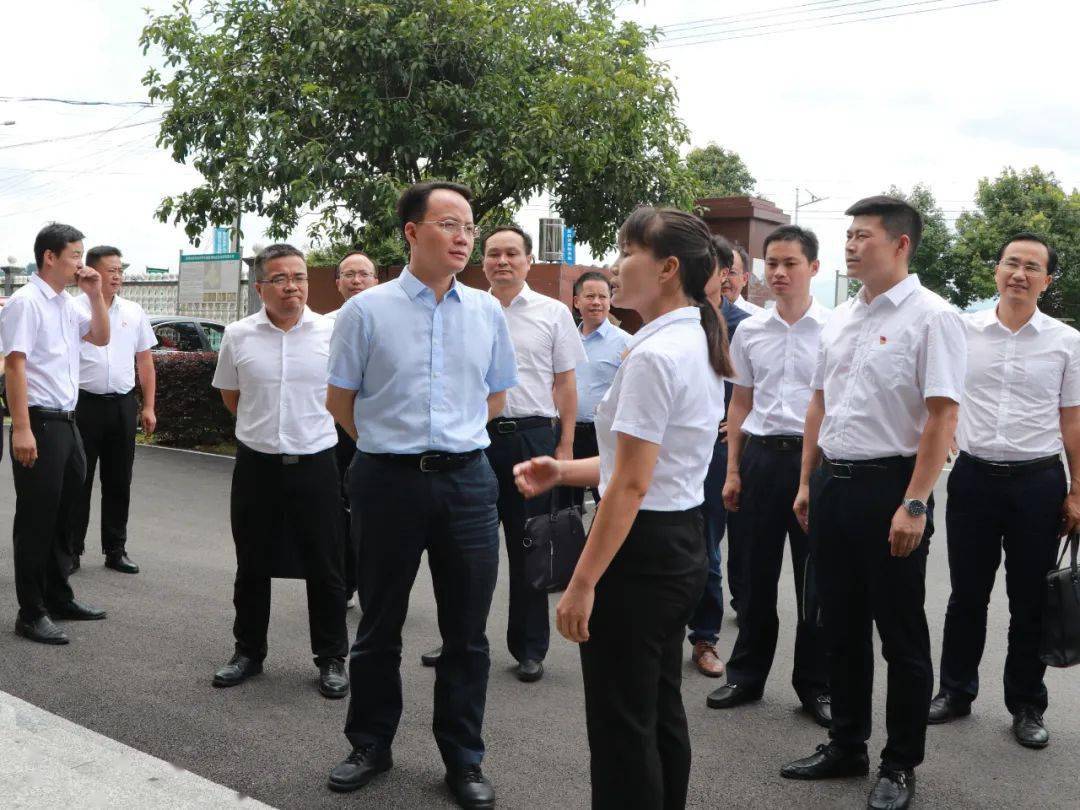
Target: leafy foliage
point(719, 172)
point(932, 260)
point(189, 410)
point(330, 107)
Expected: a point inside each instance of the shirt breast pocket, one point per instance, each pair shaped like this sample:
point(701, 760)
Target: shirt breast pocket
point(892, 364)
point(1043, 377)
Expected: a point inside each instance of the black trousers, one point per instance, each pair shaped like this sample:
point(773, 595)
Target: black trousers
point(343, 453)
point(107, 426)
point(527, 629)
point(631, 665)
point(453, 516)
point(584, 447)
point(986, 512)
point(862, 584)
point(770, 480)
point(45, 496)
point(273, 502)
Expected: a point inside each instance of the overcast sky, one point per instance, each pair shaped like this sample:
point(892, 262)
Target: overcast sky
point(843, 111)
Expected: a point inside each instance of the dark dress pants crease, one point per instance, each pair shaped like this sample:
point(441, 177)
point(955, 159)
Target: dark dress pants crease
point(708, 615)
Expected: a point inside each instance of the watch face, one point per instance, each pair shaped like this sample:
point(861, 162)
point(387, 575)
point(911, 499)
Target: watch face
point(915, 508)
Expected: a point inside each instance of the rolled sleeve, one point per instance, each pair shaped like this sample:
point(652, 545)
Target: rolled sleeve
point(349, 349)
point(225, 375)
point(742, 371)
point(147, 338)
point(945, 358)
point(1070, 381)
point(646, 397)
point(502, 371)
point(19, 325)
point(569, 350)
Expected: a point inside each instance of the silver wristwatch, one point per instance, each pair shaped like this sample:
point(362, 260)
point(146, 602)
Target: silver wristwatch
point(915, 507)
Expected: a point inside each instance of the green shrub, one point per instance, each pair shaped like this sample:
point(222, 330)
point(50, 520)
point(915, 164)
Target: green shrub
point(189, 410)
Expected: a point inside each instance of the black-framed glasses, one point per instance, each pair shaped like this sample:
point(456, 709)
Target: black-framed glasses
point(282, 280)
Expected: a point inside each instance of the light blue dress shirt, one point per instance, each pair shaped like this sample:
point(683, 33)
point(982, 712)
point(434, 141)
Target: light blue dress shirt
point(422, 370)
point(604, 349)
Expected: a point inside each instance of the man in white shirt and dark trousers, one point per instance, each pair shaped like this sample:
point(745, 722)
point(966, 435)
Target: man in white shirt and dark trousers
point(548, 349)
point(604, 345)
point(1007, 489)
point(108, 411)
point(888, 382)
point(272, 372)
point(40, 330)
point(774, 354)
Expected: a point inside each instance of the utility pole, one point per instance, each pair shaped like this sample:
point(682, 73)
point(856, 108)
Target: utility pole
point(813, 199)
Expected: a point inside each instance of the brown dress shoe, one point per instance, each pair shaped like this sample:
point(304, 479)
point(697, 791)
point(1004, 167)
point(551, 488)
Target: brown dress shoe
point(707, 660)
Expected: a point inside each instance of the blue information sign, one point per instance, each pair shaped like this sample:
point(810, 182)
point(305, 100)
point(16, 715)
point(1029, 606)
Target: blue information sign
point(222, 240)
point(569, 252)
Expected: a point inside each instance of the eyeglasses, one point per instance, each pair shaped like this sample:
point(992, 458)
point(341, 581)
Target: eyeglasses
point(1031, 268)
point(452, 228)
point(283, 280)
point(349, 275)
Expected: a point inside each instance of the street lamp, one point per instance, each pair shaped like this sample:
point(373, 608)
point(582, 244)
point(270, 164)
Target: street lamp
point(9, 275)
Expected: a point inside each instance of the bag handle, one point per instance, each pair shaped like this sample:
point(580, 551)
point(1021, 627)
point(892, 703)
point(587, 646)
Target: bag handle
point(1072, 544)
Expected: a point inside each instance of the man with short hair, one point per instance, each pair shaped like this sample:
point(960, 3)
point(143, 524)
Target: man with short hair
point(886, 389)
point(418, 366)
point(773, 354)
point(1007, 489)
point(108, 412)
point(604, 345)
point(354, 273)
point(272, 371)
point(40, 329)
point(738, 280)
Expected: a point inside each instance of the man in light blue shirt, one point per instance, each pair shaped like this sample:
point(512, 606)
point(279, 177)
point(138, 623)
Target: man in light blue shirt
point(604, 344)
point(418, 366)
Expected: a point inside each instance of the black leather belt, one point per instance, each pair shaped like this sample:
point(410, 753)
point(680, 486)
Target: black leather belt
point(284, 459)
point(84, 393)
point(1009, 469)
point(51, 414)
point(785, 444)
point(433, 462)
point(508, 427)
point(861, 469)
point(585, 426)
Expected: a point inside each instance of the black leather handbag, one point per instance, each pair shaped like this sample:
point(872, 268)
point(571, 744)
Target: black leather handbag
point(1060, 643)
point(553, 544)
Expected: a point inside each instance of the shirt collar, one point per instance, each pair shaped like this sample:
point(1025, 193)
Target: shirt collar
point(602, 331)
point(989, 317)
point(44, 286)
point(680, 314)
point(262, 318)
point(898, 293)
point(815, 312)
point(523, 297)
point(414, 287)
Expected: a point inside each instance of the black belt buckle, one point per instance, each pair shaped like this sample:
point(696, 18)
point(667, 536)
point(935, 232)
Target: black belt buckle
point(290, 460)
point(505, 428)
point(848, 468)
point(432, 457)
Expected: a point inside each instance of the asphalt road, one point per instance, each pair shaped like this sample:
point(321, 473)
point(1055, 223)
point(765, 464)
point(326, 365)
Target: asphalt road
point(143, 677)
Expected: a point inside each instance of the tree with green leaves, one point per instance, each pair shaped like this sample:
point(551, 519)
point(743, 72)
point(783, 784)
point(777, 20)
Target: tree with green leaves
point(931, 260)
point(1028, 200)
point(719, 172)
point(329, 107)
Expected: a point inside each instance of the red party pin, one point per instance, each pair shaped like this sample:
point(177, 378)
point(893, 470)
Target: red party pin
point(883, 340)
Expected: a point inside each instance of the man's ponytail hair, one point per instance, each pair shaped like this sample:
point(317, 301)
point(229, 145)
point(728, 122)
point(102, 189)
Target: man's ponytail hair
point(669, 232)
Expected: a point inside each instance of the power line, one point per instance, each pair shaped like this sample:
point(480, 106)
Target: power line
point(778, 11)
point(780, 29)
point(77, 102)
point(80, 135)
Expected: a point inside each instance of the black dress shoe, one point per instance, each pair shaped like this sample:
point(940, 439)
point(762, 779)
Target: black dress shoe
point(828, 762)
point(333, 682)
point(430, 659)
point(359, 768)
point(946, 707)
point(120, 562)
point(820, 708)
point(730, 695)
point(41, 630)
point(893, 790)
point(471, 788)
point(238, 670)
point(76, 612)
point(529, 671)
point(1029, 728)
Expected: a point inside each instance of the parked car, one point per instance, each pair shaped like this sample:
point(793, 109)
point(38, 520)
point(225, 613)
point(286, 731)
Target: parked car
point(185, 333)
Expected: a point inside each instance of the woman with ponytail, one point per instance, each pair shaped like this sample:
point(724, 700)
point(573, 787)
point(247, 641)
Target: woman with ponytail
point(644, 564)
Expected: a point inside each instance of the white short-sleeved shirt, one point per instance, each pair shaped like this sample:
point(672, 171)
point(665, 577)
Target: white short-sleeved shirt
point(47, 327)
point(281, 377)
point(546, 343)
point(878, 363)
point(111, 369)
point(665, 392)
point(777, 360)
point(1016, 385)
point(748, 306)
